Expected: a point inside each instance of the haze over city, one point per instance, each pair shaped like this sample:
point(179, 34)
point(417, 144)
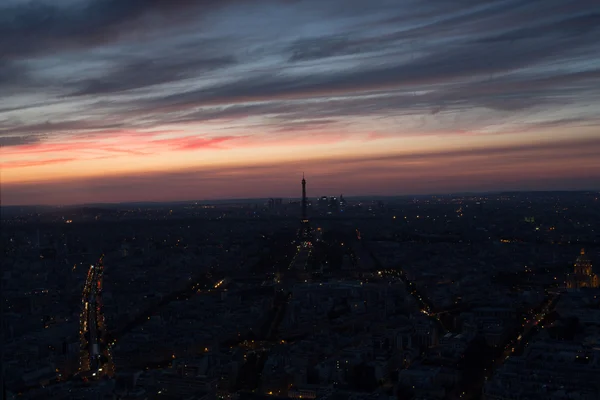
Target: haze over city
point(112, 101)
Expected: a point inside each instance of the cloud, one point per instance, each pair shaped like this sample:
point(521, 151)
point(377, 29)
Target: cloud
point(61, 126)
point(455, 73)
point(149, 72)
point(43, 27)
point(568, 147)
point(510, 94)
point(105, 141)
point(323, 47)
point(460, 64)
point(472, 18)
point(7, 141)
point(193, 142)
point(13, 77)
point(9, 73)
point(32, 134)
point(24, 164)
point(569, 27)
point(303, 125)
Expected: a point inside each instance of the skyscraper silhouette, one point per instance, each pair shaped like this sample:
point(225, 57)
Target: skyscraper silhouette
point(303, 198)
point(304, 234)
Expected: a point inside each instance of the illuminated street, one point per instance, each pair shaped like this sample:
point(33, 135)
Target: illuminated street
point(95, 354)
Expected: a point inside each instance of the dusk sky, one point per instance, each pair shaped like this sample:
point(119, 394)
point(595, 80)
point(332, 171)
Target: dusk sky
point(158, 100)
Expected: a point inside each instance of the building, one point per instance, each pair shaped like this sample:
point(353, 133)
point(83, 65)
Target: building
point(323, 203)
point(583, 275)
point(548, 369)
point(333, 204)
point(305, 230)
point(342, 202)
point(275, 203)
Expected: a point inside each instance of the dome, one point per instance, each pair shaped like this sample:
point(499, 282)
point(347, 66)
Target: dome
point(583, 258)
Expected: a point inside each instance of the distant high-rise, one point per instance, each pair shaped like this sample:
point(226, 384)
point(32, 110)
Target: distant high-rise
point(333, 203)
point(583, 275)
point(305, 231)
point(323, 202)
point(303, 198)
point(274, 204)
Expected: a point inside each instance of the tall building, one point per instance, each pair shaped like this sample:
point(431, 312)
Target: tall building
point(323, 203)
point(583, 275)
point(304, 217)
point(342, 202)
point(274, 203)
point(333, 203)
point(305, 231)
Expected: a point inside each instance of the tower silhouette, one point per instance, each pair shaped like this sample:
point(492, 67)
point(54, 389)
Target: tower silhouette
point(303, 198)
point(304, 233)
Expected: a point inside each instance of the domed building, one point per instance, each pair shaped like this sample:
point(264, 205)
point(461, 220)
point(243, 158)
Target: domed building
point(583, 275)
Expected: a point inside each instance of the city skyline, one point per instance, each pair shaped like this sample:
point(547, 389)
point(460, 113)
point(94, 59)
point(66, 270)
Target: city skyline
point(163, 101)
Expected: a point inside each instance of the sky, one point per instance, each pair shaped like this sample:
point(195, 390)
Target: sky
point(160, 100)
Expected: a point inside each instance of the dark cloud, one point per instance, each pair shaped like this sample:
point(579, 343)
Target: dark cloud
point(283, 103)
point(447, 18)
point(232, 112)
point(564, 28)
point(480, 46)
point(323, 47)
point(58, 127)
point(19, 140)
point(12, 77)
point(283, 115)
point(19, 134)
point(149, 72)
point(45, 27)
point(8, 73)
point(461, 63)
point(477, 18)
point(306, 124)
point(504, 94)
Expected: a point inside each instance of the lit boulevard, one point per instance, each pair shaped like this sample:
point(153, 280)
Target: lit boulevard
point(95, 354)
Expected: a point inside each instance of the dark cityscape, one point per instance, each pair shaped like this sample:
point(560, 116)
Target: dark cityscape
point(431, 297)
point(300, 199)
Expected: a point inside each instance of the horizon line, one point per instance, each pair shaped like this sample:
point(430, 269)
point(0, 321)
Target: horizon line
point(281, 197)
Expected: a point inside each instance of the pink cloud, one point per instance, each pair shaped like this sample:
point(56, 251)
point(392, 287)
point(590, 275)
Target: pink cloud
point(376, 136)
point(24, 164)
point(193, 142)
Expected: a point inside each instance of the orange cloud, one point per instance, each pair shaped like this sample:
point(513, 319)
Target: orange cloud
point(25, 164)
point(193, 142)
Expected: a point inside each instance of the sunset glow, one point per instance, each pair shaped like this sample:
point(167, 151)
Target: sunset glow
point(187, 100)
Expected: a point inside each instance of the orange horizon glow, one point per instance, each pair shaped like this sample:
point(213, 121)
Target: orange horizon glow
point(351, 165)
